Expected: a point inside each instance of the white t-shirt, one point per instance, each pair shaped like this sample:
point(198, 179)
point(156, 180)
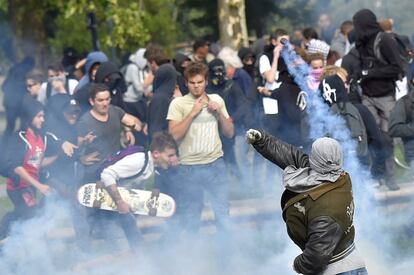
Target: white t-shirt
point(201, 144)
point(42, 97)
point(264, 66)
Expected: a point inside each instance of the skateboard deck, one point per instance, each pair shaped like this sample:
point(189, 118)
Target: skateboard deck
point(142, 202)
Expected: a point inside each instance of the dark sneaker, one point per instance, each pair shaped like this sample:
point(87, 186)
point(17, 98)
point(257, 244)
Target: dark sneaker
point(392, 186)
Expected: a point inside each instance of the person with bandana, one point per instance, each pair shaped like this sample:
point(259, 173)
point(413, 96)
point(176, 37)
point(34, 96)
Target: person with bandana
point(317, 204)
point(57, 83)
point(237, 105)
point(248, 59)
point(315, 61)
point(377, 79)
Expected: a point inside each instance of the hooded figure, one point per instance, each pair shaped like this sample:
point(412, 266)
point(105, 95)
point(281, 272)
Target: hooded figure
point(135, 74)
point(378, 79)
point(60, 110)
point(333, 90)
point(317, 204)
point(92, 59)
point(248, 59)
point(164, 86)
point(29, 111)
point(110, 75)
point(14, 89)
point(236, 102)
point(180, 63)
point(62, 113)
point(237, 105)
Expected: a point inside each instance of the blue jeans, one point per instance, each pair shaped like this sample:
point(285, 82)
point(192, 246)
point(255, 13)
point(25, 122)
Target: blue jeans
point(359, 271)
point(190, 184)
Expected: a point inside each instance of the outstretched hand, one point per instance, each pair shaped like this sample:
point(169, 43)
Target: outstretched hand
point(252, 136)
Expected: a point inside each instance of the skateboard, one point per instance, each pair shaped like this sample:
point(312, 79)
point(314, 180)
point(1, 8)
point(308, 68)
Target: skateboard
point(142, 202)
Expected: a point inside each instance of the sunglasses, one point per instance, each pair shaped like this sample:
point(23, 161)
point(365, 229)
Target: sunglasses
point(31, 85)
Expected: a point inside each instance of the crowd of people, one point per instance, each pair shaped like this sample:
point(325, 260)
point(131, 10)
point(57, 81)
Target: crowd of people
point(190, 113)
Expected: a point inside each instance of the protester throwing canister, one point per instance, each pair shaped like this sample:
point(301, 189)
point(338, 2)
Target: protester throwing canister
point(317, 204)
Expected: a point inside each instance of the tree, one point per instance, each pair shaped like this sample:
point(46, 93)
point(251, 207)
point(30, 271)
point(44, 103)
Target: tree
point(232, 23)
point(44, 28)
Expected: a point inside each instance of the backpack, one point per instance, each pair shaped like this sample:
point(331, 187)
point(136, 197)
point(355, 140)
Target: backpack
point(49, 88)
point(404, 58)
point(355, 125)
point(408, 106)
point(122, 154)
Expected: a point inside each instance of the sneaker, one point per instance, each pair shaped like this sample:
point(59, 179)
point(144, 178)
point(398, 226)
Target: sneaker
point(392, 186)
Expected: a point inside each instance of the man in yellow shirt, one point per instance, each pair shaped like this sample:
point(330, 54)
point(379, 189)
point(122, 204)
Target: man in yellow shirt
point(194, 122)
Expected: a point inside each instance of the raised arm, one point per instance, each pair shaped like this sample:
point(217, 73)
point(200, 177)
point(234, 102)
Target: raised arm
point(280, 153)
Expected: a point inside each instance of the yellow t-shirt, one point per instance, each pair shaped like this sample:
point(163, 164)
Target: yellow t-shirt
point(201, 144)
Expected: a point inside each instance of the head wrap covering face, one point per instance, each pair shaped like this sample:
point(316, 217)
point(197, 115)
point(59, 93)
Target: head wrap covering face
point(365, 26)
point(326, 156)
point(333, 90)
point(325, 160)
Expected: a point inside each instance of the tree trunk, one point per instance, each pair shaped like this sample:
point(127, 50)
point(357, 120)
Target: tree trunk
point(232, 23)
point(30, 39)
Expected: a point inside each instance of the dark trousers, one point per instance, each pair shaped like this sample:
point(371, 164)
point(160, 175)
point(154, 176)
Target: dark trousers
point(24, 209)
point(100, 221)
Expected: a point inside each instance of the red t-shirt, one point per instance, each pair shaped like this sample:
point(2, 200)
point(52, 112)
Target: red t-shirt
point(32, 160)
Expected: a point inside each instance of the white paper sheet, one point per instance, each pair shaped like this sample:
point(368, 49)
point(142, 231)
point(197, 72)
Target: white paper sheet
point(270, 106)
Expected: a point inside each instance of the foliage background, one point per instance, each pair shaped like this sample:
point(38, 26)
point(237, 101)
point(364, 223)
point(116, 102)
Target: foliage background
point(44, 28)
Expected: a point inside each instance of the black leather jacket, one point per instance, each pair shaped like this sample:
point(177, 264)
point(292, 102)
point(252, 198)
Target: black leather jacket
point(322, 229)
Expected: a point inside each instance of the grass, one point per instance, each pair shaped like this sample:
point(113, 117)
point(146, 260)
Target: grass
point(5, 204)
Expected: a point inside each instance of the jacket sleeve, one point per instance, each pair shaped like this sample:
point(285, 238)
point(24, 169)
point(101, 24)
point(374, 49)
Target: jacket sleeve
point(280, 153)
point(323, 236)
point(398, 126)
point(15, 153)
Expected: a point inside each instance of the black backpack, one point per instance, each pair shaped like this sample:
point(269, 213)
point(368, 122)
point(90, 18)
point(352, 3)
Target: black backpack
point(404, 58)
point(408, 105)
point(355, 125)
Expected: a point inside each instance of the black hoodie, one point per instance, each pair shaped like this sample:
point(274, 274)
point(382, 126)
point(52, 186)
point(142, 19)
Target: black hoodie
point(236, 102)
point(178, 62)
point(110, 75)
point(63, 167)
point(163, 86)
point(378, 79)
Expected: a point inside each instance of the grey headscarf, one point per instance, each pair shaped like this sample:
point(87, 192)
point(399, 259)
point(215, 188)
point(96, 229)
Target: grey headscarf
point(325, 166)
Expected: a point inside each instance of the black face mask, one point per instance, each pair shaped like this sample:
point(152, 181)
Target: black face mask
point(249, 68)
point(115, 83)
point(217, 75)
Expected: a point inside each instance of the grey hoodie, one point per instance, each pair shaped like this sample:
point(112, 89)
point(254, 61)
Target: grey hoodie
point(135, 74)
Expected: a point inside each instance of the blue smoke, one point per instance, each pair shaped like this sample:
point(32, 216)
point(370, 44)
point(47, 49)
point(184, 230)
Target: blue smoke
point(322, 123)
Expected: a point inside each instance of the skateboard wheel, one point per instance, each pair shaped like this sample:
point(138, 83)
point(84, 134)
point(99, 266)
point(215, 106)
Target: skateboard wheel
point(152, 212)
point(97, 204)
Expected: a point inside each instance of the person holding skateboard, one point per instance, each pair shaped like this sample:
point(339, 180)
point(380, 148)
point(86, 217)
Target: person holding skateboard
point(105, 123)
point(139, 166)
